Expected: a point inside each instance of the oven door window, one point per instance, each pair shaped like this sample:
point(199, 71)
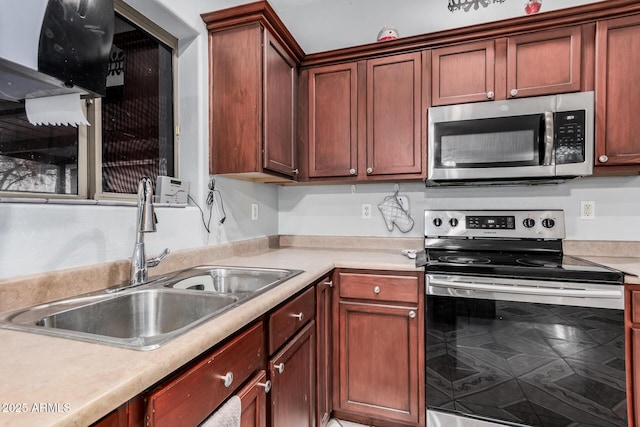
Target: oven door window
point(526, 363)
point(495, 142)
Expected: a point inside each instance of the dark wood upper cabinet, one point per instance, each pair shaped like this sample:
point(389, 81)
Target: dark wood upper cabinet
point(253, 71)
point(617, 92)
point(364, 119)
point(333, 121)
point(531, 64)
point(394, 111)
point(463, 73)
point(280, 102)
point(544, 62)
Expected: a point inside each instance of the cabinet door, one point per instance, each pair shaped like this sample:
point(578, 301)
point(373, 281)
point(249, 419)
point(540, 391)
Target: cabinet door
point(235, 109)
point(617, 91)
point(463, 73)
point(131, 414)
point(254, 401)
point(379, 362)
point(292, 373)
point(323, 351)
point(280, 81)
point(544, 62)
point(333, 121)
point(394, 111)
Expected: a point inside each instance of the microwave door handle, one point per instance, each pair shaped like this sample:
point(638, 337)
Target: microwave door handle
point(549, 153)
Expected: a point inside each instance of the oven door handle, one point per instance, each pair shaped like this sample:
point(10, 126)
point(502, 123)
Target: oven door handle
point(529, 290)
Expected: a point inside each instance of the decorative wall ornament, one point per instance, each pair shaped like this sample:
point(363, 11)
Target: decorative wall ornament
point(532, 7)
point(466, 5)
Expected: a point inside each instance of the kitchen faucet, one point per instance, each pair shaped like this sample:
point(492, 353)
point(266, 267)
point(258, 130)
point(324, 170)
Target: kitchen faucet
point(146, 224)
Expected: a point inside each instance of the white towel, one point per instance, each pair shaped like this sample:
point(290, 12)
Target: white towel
point(227, 416)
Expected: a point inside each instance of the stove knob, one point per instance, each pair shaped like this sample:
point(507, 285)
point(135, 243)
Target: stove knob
point(529, 222)
point(548, 223)
point(437, 222)
point(453, 222)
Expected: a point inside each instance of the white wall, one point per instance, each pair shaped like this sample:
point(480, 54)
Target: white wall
point(335, 24)
point(337, 210)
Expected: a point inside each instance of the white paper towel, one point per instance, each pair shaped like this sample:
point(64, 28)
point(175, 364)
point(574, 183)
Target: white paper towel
point(56, 110)
point(227, 416)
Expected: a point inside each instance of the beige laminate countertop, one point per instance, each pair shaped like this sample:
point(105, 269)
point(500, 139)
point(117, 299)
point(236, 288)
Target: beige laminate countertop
point(61, 382)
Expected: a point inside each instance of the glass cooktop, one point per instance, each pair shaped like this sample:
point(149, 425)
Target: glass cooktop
point(521, 265)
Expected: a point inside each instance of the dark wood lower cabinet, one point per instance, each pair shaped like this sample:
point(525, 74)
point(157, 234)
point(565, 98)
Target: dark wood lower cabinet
point(130, 414)
point(254, 401)
point(349, 346)
point(379, 361)
point(323, 351)
point(379, 347)
point(292, 373)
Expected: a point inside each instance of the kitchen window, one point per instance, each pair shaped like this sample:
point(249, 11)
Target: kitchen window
point(131, 132)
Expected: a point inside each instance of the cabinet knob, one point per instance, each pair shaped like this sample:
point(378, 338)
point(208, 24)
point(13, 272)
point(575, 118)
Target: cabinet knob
point(279, 367)
point(603, 159)
point(228, 379)
point(376, 290)
point(296, 171)
point(369, 170)
point(514, 92)
point(329, 283)
point(267, 386)
point(299, 316)
point(412, 314)
point(490, 94)
point(352, 171)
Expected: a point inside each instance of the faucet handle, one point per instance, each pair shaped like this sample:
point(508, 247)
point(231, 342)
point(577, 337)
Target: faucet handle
point(155, 261)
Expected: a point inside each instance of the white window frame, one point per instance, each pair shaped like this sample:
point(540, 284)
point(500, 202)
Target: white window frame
point(95, 107)
point(90, 137)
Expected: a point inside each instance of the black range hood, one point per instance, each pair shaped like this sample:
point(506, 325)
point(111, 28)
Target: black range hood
point(54, 47)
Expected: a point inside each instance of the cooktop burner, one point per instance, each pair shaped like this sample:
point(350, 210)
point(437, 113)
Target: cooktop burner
point(538, 263)
point(460, 259)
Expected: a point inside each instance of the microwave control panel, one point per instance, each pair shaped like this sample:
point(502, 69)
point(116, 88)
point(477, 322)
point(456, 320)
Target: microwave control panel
point(570, 128)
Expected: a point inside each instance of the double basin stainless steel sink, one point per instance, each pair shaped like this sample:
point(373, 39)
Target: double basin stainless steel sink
point(149, 315)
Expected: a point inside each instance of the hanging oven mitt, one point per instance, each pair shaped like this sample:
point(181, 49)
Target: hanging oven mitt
point(394, 214)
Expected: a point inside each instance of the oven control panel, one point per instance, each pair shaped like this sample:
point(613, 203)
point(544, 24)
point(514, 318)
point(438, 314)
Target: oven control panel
point(519, 224)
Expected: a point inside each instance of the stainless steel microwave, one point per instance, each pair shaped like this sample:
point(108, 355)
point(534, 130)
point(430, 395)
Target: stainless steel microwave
point(529, 140)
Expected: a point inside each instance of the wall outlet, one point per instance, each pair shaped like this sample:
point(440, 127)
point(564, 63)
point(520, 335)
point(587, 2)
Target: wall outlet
point(254, 212)
point(587, 210)
point(366, 211)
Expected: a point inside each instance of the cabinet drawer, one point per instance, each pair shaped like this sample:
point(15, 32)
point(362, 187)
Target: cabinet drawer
point(189, 398)
point(290, 318)
point(379, 287)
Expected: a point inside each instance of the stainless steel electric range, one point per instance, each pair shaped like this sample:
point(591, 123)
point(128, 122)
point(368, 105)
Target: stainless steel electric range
point(519, 333)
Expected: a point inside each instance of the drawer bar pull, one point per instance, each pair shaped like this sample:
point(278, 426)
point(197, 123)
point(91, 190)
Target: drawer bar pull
point(279, 367)
point(299, 316)
point(376, 290)
point(228, 379)
point(266, 385)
